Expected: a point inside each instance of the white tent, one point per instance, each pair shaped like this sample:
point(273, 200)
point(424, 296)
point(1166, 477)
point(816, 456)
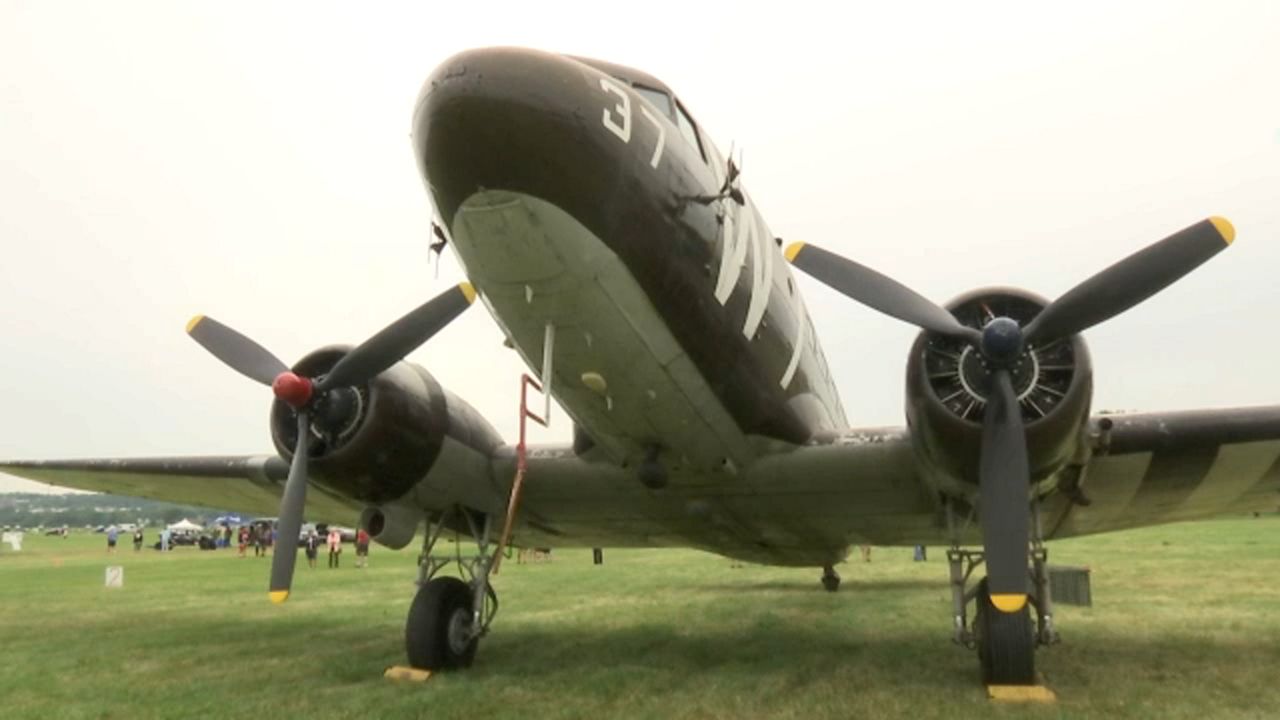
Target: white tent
point(184, 526)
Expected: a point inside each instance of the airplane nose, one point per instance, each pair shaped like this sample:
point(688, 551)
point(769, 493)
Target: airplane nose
point(507, 119)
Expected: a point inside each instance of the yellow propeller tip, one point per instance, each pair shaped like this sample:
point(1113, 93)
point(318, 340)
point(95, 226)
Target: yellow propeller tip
point(468, 292)
point(1010, 602)
point(279, 596)
point(1224, 228)
point(193, 322)
point(792, 251)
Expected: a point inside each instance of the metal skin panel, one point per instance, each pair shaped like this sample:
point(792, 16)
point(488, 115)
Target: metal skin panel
point(1168, 467)
point(802, 507)
point(547, 173)
point(251, 484)
point(556, 129)
point(606, 326)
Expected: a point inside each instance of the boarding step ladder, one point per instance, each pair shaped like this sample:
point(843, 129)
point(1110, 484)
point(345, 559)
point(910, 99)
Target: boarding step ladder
point(513, 502)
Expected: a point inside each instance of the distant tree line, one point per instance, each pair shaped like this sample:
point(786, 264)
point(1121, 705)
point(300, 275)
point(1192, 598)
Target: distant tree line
point(31, 510)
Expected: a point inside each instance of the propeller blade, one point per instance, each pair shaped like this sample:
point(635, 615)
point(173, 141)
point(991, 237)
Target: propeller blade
point(239, 352)
point(877, 291)
point(1130, 281)
point(289, 524)
point(1005, 495)
point(398, 339)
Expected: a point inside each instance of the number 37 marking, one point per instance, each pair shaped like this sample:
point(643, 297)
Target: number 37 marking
point(622, 126)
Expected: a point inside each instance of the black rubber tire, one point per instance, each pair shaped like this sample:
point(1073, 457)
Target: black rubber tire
point(426, 632)
point(1006, 643)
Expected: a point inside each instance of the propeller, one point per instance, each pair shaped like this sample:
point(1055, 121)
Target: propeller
point(1003, 473)
point(387, 347)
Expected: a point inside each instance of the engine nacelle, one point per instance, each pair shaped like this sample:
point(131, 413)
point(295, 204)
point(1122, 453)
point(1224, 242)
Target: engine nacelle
point(947, 385)
point(391, 525)
point(373, 443)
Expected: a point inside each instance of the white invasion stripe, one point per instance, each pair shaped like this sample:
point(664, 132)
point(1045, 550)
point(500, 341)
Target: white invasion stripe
point(1234, 472)
point(802, 338)
point(662, 135)
point(1111, 481)
point(731, 266)
point(725, 254)
point(761, 279)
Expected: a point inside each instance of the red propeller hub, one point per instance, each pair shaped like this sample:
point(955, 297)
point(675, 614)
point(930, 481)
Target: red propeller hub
point(292, 389)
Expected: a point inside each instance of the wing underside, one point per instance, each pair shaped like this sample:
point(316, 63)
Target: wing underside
point(800, 506)
point(251, 484)
point(1155, 468)
point(863, 488)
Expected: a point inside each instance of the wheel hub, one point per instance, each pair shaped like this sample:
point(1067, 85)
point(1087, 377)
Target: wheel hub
point(459, 631)
point(976, 373)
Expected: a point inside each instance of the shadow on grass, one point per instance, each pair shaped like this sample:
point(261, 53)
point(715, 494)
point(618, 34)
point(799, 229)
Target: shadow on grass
point(692, 654)
point(848, 585)
point(676, 651)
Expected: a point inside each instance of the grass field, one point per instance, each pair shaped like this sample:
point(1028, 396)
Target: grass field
point(1186, 624)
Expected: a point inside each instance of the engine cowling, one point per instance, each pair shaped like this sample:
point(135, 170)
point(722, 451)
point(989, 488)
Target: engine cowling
point(947, 385)
point(393, 525)
point(373, 443)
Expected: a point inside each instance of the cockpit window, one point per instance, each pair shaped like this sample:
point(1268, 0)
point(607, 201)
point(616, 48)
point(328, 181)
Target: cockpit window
point(672, 111)
point(656, 98)
point(687, 130)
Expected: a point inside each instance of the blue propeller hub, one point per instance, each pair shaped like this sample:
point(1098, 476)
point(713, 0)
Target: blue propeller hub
point(1002, 341)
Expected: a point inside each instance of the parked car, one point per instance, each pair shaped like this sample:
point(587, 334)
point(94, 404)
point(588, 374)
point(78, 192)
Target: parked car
point(322, 529)
point(202, 540)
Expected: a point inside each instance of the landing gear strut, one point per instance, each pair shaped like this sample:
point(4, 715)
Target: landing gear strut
point(1006, 641)
point(449, 615)
point(830, 578)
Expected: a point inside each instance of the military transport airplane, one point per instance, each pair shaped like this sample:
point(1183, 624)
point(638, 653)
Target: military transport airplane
point(621, 256)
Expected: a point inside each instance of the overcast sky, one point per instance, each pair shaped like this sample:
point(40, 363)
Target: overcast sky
point(251, 161)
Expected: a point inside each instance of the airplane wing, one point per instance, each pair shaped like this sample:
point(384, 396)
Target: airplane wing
point(251, 484)
point(863, 487)
point(1154, 468)
point(788, 507)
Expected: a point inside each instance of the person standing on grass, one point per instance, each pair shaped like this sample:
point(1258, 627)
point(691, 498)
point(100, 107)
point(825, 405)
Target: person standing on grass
point(137, 539)
point(165, 534)
point(258, 549)
point(313, 544)
point(243, 539)
point(335, 547)
point(362, 548)
point(113, 534)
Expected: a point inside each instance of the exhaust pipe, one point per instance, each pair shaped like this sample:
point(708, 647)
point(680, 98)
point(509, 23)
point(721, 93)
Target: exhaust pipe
point(391, 526)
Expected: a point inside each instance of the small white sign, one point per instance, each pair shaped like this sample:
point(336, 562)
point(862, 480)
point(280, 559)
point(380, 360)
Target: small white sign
point(115, 576)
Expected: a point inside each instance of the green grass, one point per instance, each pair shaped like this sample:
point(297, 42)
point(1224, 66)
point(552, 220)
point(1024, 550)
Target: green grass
point(1186, 624)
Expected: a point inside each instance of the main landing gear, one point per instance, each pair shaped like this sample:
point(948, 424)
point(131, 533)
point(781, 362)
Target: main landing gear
point(830, 578)
point(449, 615)
point(1005, 637)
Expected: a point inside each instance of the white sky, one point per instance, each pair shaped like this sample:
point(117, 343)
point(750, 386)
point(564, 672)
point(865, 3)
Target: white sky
point(251, 161)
